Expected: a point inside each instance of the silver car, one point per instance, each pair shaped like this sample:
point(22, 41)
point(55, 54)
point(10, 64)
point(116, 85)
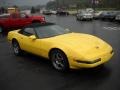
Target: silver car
point(84, 15)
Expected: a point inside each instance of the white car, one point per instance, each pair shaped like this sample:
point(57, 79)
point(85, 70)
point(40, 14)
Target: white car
point(97, 14)
point(117, 18)
point(91, 10)
point(84, 15)
point(53, 12)
point(4, 15)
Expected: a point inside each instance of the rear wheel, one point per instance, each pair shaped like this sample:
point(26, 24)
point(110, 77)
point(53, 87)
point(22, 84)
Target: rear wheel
point(16, 48)
point(59, 60)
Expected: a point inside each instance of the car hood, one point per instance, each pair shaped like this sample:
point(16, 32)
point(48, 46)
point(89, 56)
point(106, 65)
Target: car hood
point(84, 44)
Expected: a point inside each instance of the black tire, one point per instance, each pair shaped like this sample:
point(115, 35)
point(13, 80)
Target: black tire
point(103, 19)
point(35, 22)
point(16, 48)
point(67, 13)
point(91, 19)
point(59, 60)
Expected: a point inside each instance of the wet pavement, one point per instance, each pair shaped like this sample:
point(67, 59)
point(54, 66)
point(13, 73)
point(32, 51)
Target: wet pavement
point(30, 72)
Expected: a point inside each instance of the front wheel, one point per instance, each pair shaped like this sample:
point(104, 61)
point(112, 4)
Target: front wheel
point(59, 60)
point(16, 48)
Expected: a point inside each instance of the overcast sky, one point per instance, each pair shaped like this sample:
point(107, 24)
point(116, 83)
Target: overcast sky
point(24, 2)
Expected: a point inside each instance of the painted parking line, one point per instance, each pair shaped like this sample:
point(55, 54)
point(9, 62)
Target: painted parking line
point(112, 28)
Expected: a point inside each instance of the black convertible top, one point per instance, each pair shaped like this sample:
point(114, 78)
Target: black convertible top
point(33, 25)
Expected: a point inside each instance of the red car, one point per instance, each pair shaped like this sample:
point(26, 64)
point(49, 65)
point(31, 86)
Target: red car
point(18, 20)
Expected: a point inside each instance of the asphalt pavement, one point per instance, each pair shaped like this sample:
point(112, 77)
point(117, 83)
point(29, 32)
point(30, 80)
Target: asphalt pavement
point(31, 72)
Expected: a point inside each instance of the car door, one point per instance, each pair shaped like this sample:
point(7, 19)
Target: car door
point(29, 44)
point(36, 46)
point(25, 41)
point(24, 19)
point(14, 20)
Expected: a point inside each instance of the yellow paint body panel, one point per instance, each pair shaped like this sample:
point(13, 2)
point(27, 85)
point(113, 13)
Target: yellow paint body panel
point(76, 46)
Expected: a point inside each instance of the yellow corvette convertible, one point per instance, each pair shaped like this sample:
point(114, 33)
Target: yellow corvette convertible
point(64, 48)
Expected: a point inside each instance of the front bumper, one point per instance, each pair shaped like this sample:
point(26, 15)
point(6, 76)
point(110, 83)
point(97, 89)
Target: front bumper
point(85, 64)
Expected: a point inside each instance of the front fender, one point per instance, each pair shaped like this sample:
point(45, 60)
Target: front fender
point(69, 52)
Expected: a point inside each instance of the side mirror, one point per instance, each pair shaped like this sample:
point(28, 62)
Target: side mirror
point(32, 37)
point(68, 30)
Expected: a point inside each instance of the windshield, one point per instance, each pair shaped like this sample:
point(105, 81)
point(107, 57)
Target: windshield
point(50, 31)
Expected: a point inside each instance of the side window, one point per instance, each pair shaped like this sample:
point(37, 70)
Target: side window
point(28, 32)
point(15, 15)
point(22, 15)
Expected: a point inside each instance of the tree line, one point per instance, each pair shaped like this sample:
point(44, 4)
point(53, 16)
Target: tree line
point(115, 4)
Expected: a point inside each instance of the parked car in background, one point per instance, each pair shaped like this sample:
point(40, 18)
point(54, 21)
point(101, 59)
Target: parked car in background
point(109, 15)
point(18, 20)
point(53, 12)
point(97, 14)
point(117, 18)
point(91, 10)
point(104, 15)
point(4, 15)
point(62, 12)
point(84, 15)
point(28, 12)
point(47, 12)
